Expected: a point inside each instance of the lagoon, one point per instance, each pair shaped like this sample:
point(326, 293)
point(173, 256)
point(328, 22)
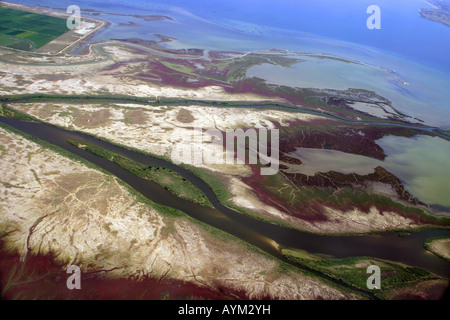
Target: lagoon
point(421, 163)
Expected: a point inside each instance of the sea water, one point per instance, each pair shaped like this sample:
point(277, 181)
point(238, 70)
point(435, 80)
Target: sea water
point(415, 48)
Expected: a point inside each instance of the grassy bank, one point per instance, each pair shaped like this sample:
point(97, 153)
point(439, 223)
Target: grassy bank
point(218, 184)
point(6, 111)
point(170, 214)
point(353, 271)
point(161, 101)
point(166, 178)
point(303, 200)
point(427, 246)
point(166, 211)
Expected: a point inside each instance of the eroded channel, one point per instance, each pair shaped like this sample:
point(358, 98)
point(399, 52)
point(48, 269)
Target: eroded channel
point(268, 237)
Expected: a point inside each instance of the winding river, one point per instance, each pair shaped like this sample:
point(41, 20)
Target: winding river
point(270, 238)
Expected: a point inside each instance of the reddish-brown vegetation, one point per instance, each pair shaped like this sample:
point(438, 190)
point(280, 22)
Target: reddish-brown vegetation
point(38, 277)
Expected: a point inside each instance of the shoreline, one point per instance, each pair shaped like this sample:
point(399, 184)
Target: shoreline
point(244, 211)
point(54, 12)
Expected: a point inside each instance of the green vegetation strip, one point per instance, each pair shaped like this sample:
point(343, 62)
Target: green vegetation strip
point(169, 213)
point(164, 210)
point(409, 274)
point(15, 114)
point(353, 271)
point(443, 132)
point(213, 180)
point(223, 195)
point(218, 186)
point(232, 70)
point(170, 180)
point(178, 102)
point(345, 198)
point(161, 101)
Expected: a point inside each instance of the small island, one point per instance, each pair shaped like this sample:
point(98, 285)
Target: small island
point(441, 12)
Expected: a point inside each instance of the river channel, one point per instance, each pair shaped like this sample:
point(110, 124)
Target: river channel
point(269, 237)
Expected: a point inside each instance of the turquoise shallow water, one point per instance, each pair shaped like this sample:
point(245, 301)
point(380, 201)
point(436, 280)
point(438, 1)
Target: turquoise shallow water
point(426, 97)
point(338, 24)
point(423, 163)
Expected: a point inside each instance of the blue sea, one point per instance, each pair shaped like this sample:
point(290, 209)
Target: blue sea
point(417, 49)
